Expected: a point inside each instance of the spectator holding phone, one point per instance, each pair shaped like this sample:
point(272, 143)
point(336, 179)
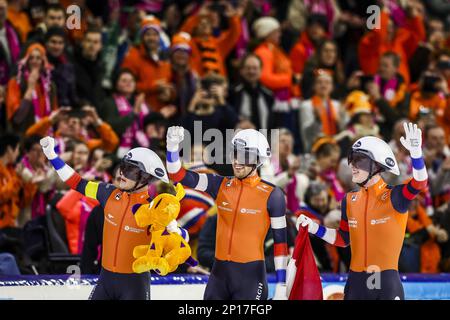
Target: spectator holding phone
point(209, 106)
point(71, 124)
point(428, 98)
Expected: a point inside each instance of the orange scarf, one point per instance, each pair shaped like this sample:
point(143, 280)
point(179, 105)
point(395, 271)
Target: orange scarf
point(327, 114)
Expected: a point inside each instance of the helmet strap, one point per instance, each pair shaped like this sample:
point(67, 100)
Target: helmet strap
point(137, 185)
point(251, 172)
point(372, 173)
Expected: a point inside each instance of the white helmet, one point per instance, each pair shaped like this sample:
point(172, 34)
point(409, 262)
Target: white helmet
point(254, 144)
point(378, 151)
point(148, 162)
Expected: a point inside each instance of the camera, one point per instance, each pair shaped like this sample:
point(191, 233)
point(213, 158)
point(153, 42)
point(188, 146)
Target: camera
point(430, 83)
point(77, 113)
point(443, 65)
point(208, 82)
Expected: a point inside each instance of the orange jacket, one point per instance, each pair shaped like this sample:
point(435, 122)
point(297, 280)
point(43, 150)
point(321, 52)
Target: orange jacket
point(375, 43)
point(430, 253)
point(20, 21)
point(14, 98)
point(234, 242)
point(210, 54)
point(277, 70)
point(149, 73)
point(300, 52)
point(328, 116)
point(108, 138)
point(436, 103)
point(70, 208)
point(14, 195)
point(120, 232)
point(376, 227)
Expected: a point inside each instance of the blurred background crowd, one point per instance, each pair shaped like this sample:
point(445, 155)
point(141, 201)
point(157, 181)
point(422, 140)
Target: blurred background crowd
point(313, 69)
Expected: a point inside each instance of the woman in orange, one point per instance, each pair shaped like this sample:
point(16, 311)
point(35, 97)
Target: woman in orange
point(31, 95)
point(277, 74)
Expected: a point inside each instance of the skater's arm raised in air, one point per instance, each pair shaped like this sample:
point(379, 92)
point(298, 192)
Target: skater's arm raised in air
point(208, 183)
point(403, 194)
point(338, 237)
point(96, 190)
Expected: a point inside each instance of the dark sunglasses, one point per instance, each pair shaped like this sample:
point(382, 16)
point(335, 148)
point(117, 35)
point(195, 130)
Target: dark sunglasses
point(130, 171)
point(359, 161)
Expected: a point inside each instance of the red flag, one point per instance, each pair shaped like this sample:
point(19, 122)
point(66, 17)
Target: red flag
point(303, 278)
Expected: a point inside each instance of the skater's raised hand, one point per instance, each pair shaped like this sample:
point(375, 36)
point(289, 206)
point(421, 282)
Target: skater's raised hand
point(304, 221)
point(175, 135)
point(412, 141)
point(48, 147)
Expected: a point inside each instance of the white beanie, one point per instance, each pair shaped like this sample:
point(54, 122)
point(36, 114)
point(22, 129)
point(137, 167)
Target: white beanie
point(264, 26)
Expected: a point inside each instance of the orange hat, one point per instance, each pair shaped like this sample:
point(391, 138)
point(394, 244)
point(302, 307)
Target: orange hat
point(358, 102)
point(181, 41)
point(150, 22)
point(322, 141)
point(39, 47)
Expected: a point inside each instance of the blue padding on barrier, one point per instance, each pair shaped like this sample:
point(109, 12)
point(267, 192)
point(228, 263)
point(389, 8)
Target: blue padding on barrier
point(416, 286)
point(32, 280)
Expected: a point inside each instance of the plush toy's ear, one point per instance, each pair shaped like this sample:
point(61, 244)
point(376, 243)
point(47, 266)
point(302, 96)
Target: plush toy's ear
point(135, 208)
point(180, 191)
point(191, 262)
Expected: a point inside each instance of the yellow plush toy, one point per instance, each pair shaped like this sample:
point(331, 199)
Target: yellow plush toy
point(166, 250)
